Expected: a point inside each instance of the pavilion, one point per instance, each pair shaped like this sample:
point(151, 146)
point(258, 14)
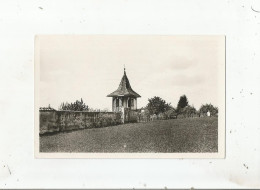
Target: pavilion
point(124, 96)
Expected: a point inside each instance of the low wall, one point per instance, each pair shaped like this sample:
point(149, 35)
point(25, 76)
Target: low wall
point(55, 121)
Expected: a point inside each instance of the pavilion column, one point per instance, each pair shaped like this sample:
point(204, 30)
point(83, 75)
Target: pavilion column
point(135, 103)
point(113, 100)
point(120, 102)
point(117, 105)
point(123, 101)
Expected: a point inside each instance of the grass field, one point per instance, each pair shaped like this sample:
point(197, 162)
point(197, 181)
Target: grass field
point(176, 135)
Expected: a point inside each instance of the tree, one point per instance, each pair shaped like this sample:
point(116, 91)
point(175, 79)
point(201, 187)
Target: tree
point(157, 105)
point(183, 102)
point(75, 106)
point(208, 107)
point(189, 111)
point(171, 113)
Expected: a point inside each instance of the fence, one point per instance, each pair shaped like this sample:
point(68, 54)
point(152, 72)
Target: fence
point(138, 116)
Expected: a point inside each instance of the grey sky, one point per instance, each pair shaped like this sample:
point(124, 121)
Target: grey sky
point(91, 67)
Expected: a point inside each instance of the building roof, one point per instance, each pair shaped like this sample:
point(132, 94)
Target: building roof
point(124, 88)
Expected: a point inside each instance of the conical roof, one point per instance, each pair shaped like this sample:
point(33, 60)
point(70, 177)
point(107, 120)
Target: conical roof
point(124, 88)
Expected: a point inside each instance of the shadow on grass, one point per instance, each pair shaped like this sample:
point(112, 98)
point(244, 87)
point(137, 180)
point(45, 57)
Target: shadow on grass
point(79, 129)
point(98, 127)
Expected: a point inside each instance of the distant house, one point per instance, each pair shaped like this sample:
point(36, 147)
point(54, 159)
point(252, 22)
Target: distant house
point(124, 96)
point(47, 108)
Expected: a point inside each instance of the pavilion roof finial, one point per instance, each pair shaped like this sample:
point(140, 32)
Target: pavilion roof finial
point(124, 88)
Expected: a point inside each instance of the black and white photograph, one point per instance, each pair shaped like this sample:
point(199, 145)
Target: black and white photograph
point(131, 94)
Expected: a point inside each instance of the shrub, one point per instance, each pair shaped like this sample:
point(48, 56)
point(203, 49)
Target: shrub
point(106, 119)
point(170, 114)
point(208, 107)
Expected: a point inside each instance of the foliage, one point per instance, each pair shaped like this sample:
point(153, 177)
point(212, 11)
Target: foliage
point(143, 115)
point(171, 113)
point(105, 120)
point(75, 106)
point(157, 105)
point(183, 102)
point(208, 107)
point(188, 111)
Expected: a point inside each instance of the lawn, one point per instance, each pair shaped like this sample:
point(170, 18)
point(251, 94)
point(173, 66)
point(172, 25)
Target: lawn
point(176, 135)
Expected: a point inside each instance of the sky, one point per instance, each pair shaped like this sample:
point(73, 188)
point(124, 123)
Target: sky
point(91, 66)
